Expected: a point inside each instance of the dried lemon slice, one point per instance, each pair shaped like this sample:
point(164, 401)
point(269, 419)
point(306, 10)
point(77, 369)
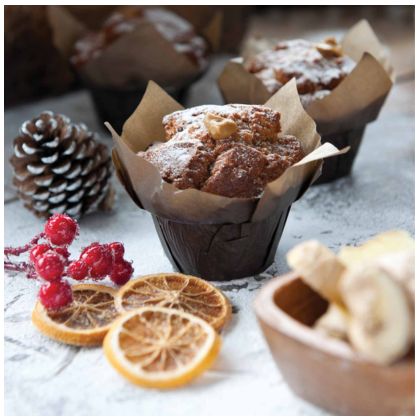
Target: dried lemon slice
point(159, 347)
point(177, 291)
point(83, 323)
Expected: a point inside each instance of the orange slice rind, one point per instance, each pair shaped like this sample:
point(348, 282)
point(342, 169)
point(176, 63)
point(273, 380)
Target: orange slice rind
point(157, 347)
point(176, 291)
point(83, 323)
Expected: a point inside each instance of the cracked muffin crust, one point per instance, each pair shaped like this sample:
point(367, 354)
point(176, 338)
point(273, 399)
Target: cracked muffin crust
point(318, 68)
point(230, 150)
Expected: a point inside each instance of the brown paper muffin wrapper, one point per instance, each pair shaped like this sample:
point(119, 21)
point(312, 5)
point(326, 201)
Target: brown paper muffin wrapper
point(342, 116)
point(115, 105)
point(341, 166)
point(214, 236)
point(223, 251)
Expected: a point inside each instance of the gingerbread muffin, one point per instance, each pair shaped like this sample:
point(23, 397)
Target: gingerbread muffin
point(230, 150)
point(172, 27)
point(318, 68)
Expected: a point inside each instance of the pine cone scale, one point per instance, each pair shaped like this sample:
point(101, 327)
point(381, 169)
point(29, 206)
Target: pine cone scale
point(50, 159)
point(74, 185)
point(58, 186)
point(61, 168)
point(23, 150)
point(41, 195)
point(28, 148)
point(35, 168)
point(55, 199)
point(73, 211)
point(53, 143)
point(70, 149)
point(43, 180)
point(75, 198)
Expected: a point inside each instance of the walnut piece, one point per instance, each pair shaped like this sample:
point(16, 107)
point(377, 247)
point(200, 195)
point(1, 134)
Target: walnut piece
point(331, 41)
point(330, 48)
point(219, 127)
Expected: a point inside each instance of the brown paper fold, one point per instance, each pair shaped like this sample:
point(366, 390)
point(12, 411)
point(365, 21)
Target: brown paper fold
point(66, 29)
point(212, 31)
point(356, 101)
point(293, 177)
point(193, 206)
point(361, 38)
point(237, 85)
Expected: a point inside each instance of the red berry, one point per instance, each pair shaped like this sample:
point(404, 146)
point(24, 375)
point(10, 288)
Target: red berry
point(117, 249)
point(88, 248)
point(37, 251)
point(99, 260)
point(61, 229)
point(55, 295)
point(50, 266)
point(78, 270)
point(121, 272)
point(63, 251)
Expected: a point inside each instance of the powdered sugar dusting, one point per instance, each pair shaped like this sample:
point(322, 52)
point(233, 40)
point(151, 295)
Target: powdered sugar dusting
point(300, 59)
point(254, 122)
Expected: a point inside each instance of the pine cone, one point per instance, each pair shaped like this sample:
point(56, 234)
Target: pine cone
point(60, 167)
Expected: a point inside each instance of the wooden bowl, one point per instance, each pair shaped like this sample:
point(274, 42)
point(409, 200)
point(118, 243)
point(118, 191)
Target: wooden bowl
point(326, 371)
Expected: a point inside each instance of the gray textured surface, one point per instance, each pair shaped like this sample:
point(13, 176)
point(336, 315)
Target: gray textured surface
point(46, 378)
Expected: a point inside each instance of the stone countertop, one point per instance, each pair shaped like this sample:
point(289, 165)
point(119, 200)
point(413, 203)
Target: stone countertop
point(43, 377)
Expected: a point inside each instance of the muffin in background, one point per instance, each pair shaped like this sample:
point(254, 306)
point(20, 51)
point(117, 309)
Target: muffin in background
point(342, 85)
point(136, 44)
point(173, 28)
point(33, 66)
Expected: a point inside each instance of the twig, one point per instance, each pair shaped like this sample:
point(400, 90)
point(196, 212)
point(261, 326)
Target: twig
point(9, 250)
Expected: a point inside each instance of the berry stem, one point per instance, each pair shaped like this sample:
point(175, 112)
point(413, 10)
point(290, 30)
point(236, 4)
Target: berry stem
point(21, 267)
point(16, 251)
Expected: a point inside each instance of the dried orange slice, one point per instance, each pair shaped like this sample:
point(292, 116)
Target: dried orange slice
point(159, 347)
point(83, 323)
point(177, 291)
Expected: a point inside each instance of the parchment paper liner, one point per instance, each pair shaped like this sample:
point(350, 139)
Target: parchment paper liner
point(341, 116)
point(204, 234)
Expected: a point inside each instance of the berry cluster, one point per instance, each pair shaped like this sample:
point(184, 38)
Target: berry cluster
point(100, 260)
point(50, 260)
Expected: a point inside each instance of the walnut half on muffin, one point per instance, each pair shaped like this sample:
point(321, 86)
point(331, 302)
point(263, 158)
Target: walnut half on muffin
point(230, 150)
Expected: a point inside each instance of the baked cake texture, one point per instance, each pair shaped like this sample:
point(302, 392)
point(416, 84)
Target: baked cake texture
point(230, 150)
point(179, 32)
point(318, 68)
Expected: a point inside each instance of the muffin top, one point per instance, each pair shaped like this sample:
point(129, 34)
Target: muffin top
point(172, 27)
point(318, 68)
point(230, 150)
